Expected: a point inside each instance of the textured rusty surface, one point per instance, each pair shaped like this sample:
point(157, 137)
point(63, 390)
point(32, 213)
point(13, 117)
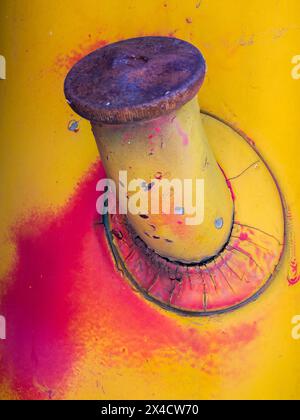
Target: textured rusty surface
point(136, 79)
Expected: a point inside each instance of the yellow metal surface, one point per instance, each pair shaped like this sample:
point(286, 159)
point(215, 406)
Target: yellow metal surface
point(249, 48)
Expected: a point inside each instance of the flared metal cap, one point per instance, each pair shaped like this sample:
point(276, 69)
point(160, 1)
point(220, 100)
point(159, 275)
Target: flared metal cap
point(136, 79)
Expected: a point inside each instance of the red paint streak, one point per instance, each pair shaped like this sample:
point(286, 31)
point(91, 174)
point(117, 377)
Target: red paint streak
point(294, 277)
point(294, 280)
point(229, 185)
point(65, 298)
point(182, 134)
point(38, 307)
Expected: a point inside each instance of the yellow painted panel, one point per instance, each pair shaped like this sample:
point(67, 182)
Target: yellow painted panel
point(249, 48)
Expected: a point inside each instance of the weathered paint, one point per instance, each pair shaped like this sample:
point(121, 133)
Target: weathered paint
point(131, 349)
point(66, 304)
point(180, 148)
point(245, 266)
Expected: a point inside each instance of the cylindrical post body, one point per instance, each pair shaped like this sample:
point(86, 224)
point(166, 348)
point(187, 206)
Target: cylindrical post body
point(171, 147)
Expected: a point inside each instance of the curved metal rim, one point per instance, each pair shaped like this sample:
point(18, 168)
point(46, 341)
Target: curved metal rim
point(202, 314)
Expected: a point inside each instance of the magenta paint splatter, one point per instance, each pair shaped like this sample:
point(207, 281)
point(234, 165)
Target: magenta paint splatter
point(182, 134)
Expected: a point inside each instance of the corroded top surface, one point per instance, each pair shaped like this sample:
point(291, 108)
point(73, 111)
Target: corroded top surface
point(135, 79)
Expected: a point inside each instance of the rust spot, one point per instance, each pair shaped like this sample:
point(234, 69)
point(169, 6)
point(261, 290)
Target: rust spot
point(143, 70)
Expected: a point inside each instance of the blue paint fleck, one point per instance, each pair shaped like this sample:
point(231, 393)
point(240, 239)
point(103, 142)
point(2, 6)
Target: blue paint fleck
point(219, 223)
point(73, 126)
